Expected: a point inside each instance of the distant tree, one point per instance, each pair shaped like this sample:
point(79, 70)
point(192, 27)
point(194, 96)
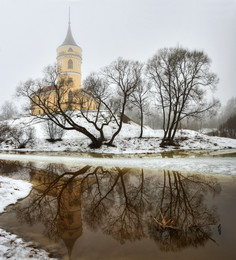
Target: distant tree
point(21, 136)
point(227, 111)
point(4, 131)
point(16, 135)
point(228, 128)
point(181, 79)
point(139, 99)
point(8, 110)
point(230, 109)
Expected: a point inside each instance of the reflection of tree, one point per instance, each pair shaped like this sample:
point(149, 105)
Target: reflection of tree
point(181, 215)
point(12, 168)
point(116, 204)
point(120, 202)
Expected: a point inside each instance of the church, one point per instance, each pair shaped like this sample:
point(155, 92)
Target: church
point(69, 61)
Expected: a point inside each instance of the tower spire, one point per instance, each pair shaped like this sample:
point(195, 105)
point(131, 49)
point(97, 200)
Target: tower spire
point(69, 15)
point(69, 40)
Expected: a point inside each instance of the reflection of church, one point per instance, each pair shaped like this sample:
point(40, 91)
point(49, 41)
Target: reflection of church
point(69, 61)
point(68, 197)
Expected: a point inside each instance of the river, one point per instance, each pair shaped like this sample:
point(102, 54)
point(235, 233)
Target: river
point(145, 209)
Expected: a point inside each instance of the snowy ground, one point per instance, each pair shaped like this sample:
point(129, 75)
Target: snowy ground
point(12, 190)
point(11, 246)
point(127, 142)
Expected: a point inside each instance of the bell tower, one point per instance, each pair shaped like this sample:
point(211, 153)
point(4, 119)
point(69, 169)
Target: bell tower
point(69, 59)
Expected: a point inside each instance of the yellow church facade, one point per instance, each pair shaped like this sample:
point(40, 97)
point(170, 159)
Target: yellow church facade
point(72, 97)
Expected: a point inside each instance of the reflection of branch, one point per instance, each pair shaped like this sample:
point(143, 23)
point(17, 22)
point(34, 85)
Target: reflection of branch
point(165, 224)
point(197, 227)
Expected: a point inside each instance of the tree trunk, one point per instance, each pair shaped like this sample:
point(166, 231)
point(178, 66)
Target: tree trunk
point(95, 144)
point(110, 143)
point(141, 124)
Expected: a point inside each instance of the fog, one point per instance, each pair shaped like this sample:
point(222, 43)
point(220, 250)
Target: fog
point(31, 30)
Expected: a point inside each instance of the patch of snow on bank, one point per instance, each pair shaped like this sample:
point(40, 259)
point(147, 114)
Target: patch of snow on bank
point(12, 190)
point(11, 246)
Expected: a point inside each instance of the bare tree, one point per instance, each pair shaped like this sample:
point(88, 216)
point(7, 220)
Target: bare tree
point(111, 88)
point(8, 110)
point(95, 85)
point(53, 131)
point(228, 128)
point(124, 76)
point(181, 79)
point(53, 100)
point(4, 131)
point(21, 136)
point(139, 98)
point(227, 111)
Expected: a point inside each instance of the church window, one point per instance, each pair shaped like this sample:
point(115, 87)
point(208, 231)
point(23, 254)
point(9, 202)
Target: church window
point(70, 80)
point(70, 64)
point(70, 50)
point(70, 96)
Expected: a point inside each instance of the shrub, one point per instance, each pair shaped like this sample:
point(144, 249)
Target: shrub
point(21, 136)
point(4, 131)
point(54, 132)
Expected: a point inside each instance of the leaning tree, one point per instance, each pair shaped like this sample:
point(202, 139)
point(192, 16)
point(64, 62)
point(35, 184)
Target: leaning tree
point(51, 95)
point(181, 79)
point(53, 99)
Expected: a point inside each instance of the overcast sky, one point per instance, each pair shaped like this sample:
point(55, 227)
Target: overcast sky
point(31, 30)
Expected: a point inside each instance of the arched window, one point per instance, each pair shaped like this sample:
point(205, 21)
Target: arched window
point(70, 96)
point(70, 64)
point(70, 50)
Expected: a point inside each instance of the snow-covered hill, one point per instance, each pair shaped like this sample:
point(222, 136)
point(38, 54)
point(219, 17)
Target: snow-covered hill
point(125, 143)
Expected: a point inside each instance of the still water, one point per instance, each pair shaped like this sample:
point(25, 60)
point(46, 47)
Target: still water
point(93, 212)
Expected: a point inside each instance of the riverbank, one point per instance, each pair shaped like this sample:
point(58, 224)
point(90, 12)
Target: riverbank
point(127, 142)
point(11, 246)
